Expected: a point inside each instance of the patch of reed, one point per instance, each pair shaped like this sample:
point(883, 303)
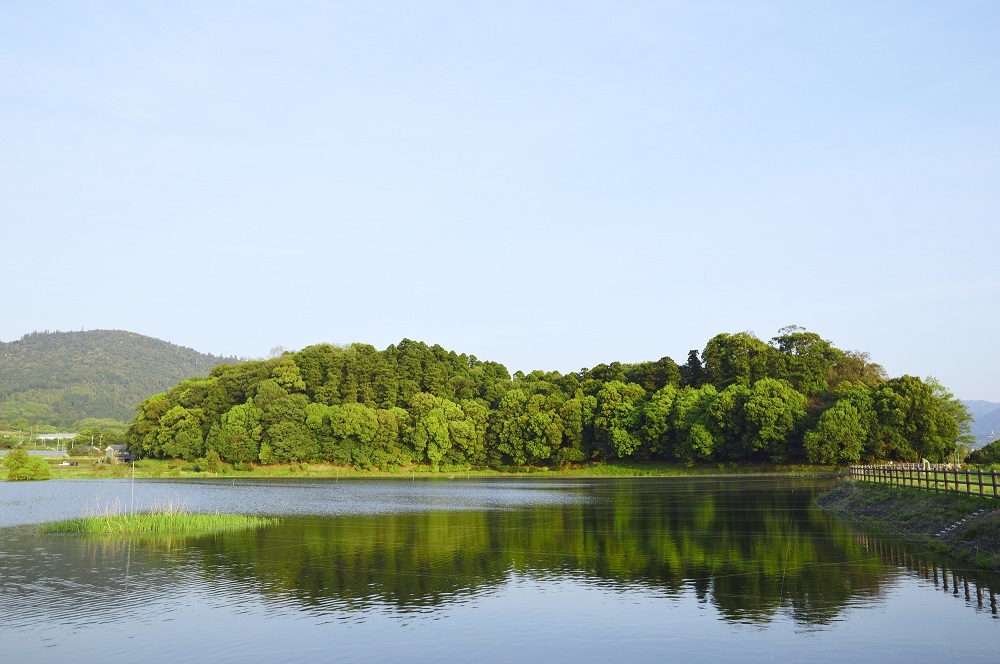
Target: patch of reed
point(116, 519)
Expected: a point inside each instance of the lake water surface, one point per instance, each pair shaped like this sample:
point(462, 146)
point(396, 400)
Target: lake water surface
point(494, 570)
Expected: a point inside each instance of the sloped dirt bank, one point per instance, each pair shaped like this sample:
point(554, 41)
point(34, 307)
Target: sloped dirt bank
point(965, 527)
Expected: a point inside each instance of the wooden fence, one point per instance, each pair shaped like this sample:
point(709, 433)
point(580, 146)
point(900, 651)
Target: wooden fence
point(936, 478)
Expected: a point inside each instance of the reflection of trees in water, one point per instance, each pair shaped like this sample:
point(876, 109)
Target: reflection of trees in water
point(748, 552)
point(751, 553)
point(977, 587)
point(64, 577)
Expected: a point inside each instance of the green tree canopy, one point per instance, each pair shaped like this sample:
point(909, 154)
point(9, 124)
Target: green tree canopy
point(797, 398)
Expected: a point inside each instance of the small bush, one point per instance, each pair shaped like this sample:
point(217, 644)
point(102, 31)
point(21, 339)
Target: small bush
point(212, 463)
point(22, 467)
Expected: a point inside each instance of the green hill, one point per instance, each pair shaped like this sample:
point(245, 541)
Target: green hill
point(60, 378)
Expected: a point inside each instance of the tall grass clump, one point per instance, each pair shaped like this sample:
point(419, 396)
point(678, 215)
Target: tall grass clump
point(116, 519)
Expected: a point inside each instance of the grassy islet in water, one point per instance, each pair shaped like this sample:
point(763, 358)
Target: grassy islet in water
point(117, 520)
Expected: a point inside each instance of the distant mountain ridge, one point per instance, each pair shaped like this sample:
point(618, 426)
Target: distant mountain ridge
point(986, 420)
point(59, 378)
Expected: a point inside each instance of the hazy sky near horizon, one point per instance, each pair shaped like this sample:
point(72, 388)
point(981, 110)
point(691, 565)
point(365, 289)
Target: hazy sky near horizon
point(550, 185)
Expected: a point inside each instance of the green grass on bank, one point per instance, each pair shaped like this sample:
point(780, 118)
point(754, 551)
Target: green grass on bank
point(154, 468)
point(971, 481)
point(962, 525)
point(116, 520)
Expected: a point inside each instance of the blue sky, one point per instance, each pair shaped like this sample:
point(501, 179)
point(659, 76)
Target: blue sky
point(550, 185)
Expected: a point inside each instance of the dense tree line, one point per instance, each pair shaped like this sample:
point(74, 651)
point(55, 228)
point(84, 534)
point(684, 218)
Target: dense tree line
point(60, 378)
point(741, 399)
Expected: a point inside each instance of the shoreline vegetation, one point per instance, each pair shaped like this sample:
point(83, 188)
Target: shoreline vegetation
point(179, 469)
point(966, 527)
point(168, 519)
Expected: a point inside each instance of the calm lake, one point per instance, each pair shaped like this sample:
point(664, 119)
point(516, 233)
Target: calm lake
point(498, 570)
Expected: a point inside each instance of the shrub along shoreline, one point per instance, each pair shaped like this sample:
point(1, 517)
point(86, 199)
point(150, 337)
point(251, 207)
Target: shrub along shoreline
point(163, 469)
point(962, 526)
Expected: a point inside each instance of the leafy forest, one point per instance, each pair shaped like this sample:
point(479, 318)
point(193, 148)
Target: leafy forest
point(794, 398)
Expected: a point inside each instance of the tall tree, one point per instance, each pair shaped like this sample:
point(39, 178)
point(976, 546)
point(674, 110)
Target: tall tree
point(774, 414)
point(804, 359)
point(657, 420)
point(651, 376)
point(853, 366)
point(692, 373)
point(692, 424)
point(143, 434)
point(740, 359)
point(913, 424)
point(354, 427)
point(618, 418)
point(240, 433)
point(285, 437)
point(180, 434)
point(839, 437)
point(955, 408)
point(728, 419)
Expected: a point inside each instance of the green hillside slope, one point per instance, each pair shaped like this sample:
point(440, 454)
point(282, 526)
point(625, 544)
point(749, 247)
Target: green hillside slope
point(59, 378)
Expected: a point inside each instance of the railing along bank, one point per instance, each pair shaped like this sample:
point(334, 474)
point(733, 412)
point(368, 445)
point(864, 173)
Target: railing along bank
point(931, 477)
